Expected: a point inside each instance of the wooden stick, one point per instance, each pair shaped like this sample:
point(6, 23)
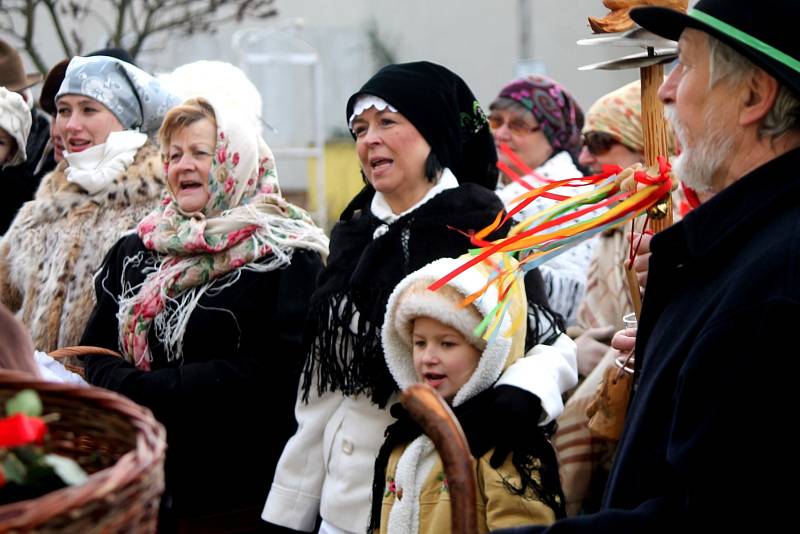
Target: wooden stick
point(654, 128)
point(82, 350)
point(633, 288)
point(437, 420)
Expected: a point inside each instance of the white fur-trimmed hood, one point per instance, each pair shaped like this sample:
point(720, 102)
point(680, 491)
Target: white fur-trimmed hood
point(497, 354)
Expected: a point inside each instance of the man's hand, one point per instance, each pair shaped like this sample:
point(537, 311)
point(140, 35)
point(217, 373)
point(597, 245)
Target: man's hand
point(624, 340)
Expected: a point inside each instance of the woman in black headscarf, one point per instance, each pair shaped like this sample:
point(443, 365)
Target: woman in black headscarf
point(429, 161)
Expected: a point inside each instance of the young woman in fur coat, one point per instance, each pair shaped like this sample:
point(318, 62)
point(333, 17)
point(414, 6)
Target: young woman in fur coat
point(111, 178)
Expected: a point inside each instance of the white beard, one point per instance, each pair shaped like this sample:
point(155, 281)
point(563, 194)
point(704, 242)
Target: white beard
point(697, 164)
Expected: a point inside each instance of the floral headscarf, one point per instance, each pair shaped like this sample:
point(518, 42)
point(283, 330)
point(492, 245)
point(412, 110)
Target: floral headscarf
point(246, 224)
point(619, 114)
point(555, 110)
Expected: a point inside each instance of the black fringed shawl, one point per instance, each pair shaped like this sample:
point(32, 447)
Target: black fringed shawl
point(361, 274)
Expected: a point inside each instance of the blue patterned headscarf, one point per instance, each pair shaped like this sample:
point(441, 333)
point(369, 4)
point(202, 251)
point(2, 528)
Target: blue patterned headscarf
point(555, 110)
point(135, 98)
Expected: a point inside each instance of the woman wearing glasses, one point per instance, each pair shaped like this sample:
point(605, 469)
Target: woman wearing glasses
point(612, 134)
point(540, 122)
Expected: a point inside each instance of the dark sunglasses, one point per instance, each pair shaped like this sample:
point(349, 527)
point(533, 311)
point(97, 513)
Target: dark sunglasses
point(516, 126)
point(598, 143)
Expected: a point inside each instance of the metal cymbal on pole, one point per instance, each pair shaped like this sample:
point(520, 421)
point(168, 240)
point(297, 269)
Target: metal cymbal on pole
point(636, 37)
point(635, 61)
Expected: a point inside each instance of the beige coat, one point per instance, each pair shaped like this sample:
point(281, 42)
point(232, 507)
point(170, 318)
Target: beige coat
point(58, 241)
point(496, 507)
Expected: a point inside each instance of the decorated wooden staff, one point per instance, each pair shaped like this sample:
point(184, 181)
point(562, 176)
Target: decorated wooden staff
point(607, 411)
point(651, 67)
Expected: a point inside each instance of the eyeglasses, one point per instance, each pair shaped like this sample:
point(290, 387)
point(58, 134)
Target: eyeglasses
point(598, 143)
point(516, 126)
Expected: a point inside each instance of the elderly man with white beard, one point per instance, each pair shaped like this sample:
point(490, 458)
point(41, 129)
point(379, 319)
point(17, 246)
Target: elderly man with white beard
point(706, 443)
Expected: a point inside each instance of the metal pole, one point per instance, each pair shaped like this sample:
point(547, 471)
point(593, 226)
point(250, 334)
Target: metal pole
point(319, 140)
point(525, 17)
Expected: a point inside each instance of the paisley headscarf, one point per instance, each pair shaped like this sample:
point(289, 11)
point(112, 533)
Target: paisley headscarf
point(555, 110)
point(619, 114)
point(246, 224)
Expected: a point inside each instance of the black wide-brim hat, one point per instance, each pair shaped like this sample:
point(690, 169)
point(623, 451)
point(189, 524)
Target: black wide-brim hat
point(763, 31)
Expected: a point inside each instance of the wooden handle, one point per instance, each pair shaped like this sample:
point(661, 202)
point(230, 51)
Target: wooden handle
point(69, 357)
point(81, 350)
point(654, 129)
point(633, 288)
point(439, 423)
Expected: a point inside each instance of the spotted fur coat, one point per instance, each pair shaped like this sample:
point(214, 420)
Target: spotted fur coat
point(58, 240)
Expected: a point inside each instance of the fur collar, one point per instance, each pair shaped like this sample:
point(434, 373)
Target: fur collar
point(141, 183)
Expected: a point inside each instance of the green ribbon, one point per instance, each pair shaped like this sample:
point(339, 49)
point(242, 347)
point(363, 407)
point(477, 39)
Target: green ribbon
point(746, 39)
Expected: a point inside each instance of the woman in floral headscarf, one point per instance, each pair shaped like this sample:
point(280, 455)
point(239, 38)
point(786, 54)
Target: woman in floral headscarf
point(206, 303)
point(110, 178)
point(537, 119)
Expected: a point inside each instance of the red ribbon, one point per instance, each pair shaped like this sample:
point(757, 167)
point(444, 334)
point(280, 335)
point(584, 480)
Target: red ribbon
point(664, 187)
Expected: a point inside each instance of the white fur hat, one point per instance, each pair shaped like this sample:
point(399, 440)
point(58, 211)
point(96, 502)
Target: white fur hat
point(222, 83)
point(443, 305)
point(15, 119)
point(412, 298)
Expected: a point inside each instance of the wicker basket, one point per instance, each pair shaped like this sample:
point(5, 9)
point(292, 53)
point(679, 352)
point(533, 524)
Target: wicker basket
point(116, 441)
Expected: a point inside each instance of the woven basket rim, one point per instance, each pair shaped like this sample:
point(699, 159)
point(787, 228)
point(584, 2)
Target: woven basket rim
point(150, 448)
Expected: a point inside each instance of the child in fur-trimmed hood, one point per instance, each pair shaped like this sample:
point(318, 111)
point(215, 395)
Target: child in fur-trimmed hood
point(429, 337)
point(15, 125)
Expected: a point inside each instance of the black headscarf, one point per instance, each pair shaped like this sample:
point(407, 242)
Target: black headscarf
point(443, 109)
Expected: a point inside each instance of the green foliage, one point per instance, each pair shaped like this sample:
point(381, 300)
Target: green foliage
point(29, 471)
point(26, 402)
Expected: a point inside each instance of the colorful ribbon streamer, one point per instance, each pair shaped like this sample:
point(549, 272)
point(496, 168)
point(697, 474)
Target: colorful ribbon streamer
point(554, 230)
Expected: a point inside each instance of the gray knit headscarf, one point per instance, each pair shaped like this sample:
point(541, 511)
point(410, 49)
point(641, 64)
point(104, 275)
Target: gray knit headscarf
point(135, 98)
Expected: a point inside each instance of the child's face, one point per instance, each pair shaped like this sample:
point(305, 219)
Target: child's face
point(443, 358)
point(8, 146)
point(84, 122)
point(58, 142)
